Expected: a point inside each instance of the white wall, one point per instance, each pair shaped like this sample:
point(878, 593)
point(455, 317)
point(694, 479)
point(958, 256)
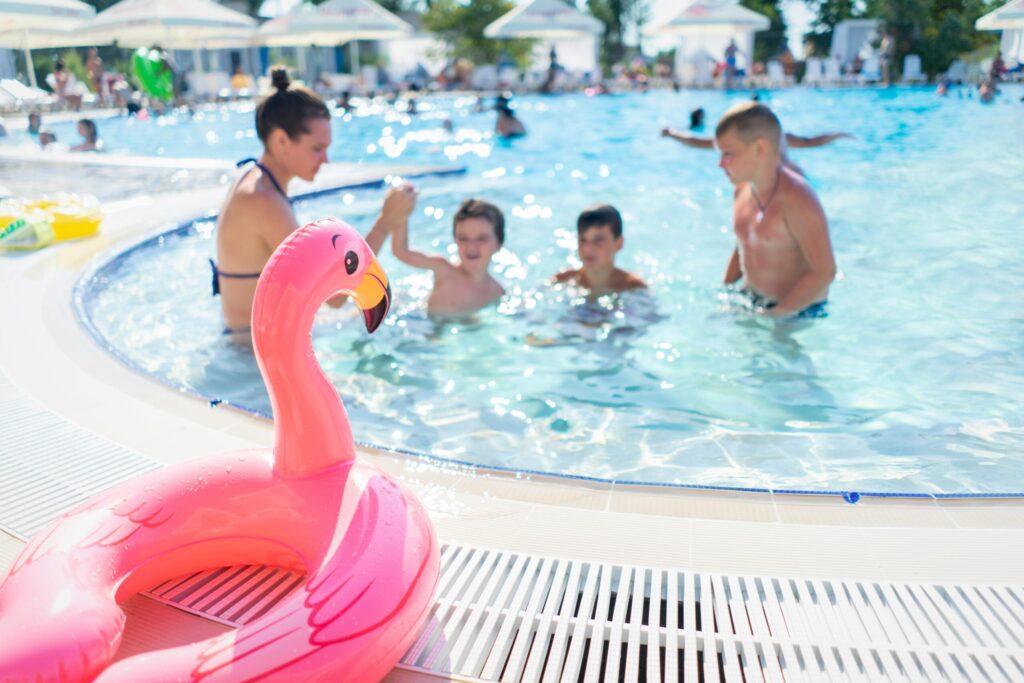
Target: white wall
point(1012, 45)
point(576, 55)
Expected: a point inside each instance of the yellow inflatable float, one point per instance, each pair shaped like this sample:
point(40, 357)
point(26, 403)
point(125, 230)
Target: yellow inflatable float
point(34, 224)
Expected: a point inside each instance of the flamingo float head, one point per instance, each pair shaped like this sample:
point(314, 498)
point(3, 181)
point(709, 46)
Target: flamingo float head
point(322, 259)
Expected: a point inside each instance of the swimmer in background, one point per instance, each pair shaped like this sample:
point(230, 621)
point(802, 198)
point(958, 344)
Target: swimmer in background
point(90, 137)
point(783, 257)
point(507, 125)
point(599, 239)
point(466, 285)
point(788, 140)
point(294, 125)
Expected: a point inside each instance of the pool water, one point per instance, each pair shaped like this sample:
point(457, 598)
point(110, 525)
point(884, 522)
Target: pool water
point(913, 382)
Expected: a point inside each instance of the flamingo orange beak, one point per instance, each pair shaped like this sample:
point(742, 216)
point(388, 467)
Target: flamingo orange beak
point(373, 295)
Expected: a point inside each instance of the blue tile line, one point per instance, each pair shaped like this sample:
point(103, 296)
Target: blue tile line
point(81, 293)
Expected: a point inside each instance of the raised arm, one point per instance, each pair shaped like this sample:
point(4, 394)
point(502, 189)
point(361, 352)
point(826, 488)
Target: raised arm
point(814, 141)
point(696, 141)
point(398, 205)
point(416, 259)
point(806, 221)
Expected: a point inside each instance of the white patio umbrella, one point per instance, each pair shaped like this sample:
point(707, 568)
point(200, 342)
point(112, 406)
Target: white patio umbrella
point(28, 24)
point(1007, 18)
point(545, 19)
point(176, 24)
point(332, 23)
point(720, 16)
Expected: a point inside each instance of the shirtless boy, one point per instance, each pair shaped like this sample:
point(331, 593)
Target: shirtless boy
point(783, 254)
point(466, 285)
point(599, 230)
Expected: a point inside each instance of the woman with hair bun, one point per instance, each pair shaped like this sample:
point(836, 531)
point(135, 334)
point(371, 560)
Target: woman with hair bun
point(294, 125)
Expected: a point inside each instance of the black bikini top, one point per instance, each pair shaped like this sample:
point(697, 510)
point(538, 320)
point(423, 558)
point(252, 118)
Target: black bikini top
point(217, 274)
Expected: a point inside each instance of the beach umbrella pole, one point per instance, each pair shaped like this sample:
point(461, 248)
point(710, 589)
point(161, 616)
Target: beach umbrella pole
point(353, 47)
point(28, 64)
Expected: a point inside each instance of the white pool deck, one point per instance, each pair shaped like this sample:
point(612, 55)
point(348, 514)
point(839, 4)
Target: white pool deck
point(48, 356)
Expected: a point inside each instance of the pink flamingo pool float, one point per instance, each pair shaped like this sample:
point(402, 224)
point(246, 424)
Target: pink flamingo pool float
point(366, 544)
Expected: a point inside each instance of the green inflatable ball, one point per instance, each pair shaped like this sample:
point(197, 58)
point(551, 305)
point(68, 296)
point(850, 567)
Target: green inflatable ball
point(156, 80)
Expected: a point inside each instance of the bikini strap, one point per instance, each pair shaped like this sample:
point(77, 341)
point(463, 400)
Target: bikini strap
point(217, 274)
point(266, 172)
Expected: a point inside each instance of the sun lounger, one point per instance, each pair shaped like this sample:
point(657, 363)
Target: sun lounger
point(813, 72)
point(912, 70)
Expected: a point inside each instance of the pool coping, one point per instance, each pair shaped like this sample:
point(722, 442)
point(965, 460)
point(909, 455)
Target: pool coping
point(79, 307)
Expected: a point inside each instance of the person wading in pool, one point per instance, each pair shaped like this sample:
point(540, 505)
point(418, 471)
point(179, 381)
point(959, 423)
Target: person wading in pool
point(294, 125)
point(783, 254)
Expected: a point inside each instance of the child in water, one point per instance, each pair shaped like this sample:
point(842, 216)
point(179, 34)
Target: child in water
point(466, 285)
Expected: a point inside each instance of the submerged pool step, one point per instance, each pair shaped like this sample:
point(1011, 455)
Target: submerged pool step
point(503, 616)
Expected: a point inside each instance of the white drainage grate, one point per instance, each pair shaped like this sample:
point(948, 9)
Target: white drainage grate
point(48, 465)
point(502, 616)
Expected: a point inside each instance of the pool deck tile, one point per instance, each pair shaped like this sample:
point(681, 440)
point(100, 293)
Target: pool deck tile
point(694, 503)
point(866, 512)
point(984, 513)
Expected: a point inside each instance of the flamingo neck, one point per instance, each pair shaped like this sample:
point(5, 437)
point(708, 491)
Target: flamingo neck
point(312, 430)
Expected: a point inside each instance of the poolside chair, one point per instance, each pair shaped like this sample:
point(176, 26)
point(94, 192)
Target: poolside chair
point(776, 75)
point(26, 95)
point(833, 75)
point(871, 72)
point(912, 70)
point(485, 77)
point(813, 72)
point(957, 71)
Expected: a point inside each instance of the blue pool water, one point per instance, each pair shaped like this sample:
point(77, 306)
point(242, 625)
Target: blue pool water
point(913, 382)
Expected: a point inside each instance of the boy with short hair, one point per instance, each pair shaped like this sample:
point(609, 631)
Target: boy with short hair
point(783, 253)
point(599, 230)
point(466, 285)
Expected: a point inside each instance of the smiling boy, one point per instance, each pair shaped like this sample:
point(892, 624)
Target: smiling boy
point(466, 285)
point(783, 253)
point(599, 230)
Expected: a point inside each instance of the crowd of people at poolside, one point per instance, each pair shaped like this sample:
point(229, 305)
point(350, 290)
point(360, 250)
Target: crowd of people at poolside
point(782, 262)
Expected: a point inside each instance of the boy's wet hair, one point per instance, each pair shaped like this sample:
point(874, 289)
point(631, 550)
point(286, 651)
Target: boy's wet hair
point(288, 108)
point(478, 208)
point(751, 120)
point(598, 215)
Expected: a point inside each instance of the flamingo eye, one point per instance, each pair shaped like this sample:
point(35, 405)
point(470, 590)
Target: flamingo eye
point(351, 262)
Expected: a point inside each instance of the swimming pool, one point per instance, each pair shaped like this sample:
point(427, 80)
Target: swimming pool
point(912, 384)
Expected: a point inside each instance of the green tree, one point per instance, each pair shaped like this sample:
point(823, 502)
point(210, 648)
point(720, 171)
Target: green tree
point(937, 30)
point(768, 44)
point(617, 16)
point(462, 24)
point(827, 14)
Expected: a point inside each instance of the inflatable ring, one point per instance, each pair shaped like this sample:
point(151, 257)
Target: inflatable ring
point(35, 224)
point(366, 544)
point(153, 75)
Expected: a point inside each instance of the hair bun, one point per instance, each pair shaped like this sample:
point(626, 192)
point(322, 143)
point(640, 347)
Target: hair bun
point(279, 79)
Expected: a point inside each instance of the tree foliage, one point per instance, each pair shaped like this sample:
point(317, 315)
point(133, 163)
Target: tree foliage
point(937, 30)
point(462, 24)
point(618, 16)
point(768, 44)
point(828, 13)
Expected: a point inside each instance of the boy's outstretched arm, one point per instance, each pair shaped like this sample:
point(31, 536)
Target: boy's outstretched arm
point(689, 140)
point(797, 141)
